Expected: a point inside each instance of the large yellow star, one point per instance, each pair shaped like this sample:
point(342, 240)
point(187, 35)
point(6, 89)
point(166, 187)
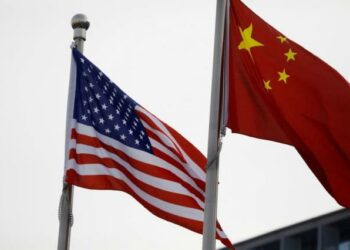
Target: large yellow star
point(267, 85)
point(283, 76)
point(248, 42)
point(290, 55)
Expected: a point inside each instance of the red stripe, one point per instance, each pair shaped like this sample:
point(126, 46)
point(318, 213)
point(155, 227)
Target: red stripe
point(111, 183)
point(199, 159)
point(152, 135)
point(188, 147)
point(108, 182)
point(161, 154)
point(146, 119)
point(196, 156)
point(139, 165)
point(171, 197)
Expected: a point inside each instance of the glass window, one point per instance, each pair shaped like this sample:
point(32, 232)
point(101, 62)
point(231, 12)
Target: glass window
point(344, 245)
point(303, 241)
point(270, 246)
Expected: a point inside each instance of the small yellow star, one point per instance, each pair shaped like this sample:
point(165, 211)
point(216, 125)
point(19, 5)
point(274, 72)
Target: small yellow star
point(248, 42)
point(282, 38)
point(290, 55)
point(267, 85)
point(283, 76)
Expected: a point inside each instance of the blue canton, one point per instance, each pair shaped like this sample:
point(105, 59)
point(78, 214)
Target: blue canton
point(103, 105)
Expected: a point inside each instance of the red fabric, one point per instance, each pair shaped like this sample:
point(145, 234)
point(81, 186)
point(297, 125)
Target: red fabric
point(309, 110)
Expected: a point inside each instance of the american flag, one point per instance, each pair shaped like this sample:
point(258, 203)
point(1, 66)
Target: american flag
point(116, 144)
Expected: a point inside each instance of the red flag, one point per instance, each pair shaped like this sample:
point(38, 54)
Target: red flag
point(281, 92)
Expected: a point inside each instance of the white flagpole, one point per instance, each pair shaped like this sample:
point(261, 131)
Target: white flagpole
point(79, 24)
point(215, 123)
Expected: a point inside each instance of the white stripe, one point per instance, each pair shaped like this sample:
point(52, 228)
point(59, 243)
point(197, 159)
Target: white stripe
point(137, 154)
point(167, 185)
point(194, 170)
point(162, 148)
point(161, 136)
point(221, 233)
point(83, 129)
point(98, 169)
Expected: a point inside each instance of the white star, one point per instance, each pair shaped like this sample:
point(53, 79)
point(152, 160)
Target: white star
point(91, 99)
point(116, 127)
point(141, 137)
point(105, 87)
point(98, 96)
point(104, 106)
point(101, 120)
point(84, 102)
point(117, 111)
point(124, 122)
point(89, 70)
point(135, 123)
point(143, 133)
point(84, 74)
point(84, 117)
point(137, 142)
point(96, 110)
point(86, 89)
point(100, 73)
point(82, 60)
point(130, 132)
point(111, 101)
point(99, 77)
point(125, 96)
point(107, 131)
point(123, 137)
point(110, 117)
point(113, 94)
point(88, 111)
point(91, 85)
point(147, 146)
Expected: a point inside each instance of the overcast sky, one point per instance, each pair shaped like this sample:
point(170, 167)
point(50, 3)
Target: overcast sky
point(159, 52)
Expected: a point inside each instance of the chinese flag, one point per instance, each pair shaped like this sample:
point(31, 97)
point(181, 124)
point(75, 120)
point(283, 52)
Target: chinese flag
point(279, 91)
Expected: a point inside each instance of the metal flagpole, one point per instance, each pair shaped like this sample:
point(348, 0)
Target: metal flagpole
point(79, 24)
point(214, 141)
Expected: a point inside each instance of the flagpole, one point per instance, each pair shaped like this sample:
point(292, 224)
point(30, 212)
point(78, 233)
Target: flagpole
point(214, 140)
point(79, 24)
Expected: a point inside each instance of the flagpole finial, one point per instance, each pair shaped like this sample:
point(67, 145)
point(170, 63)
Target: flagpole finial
point(80, 24)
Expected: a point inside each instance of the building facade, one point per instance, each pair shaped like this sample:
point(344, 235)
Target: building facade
point(327, 232)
